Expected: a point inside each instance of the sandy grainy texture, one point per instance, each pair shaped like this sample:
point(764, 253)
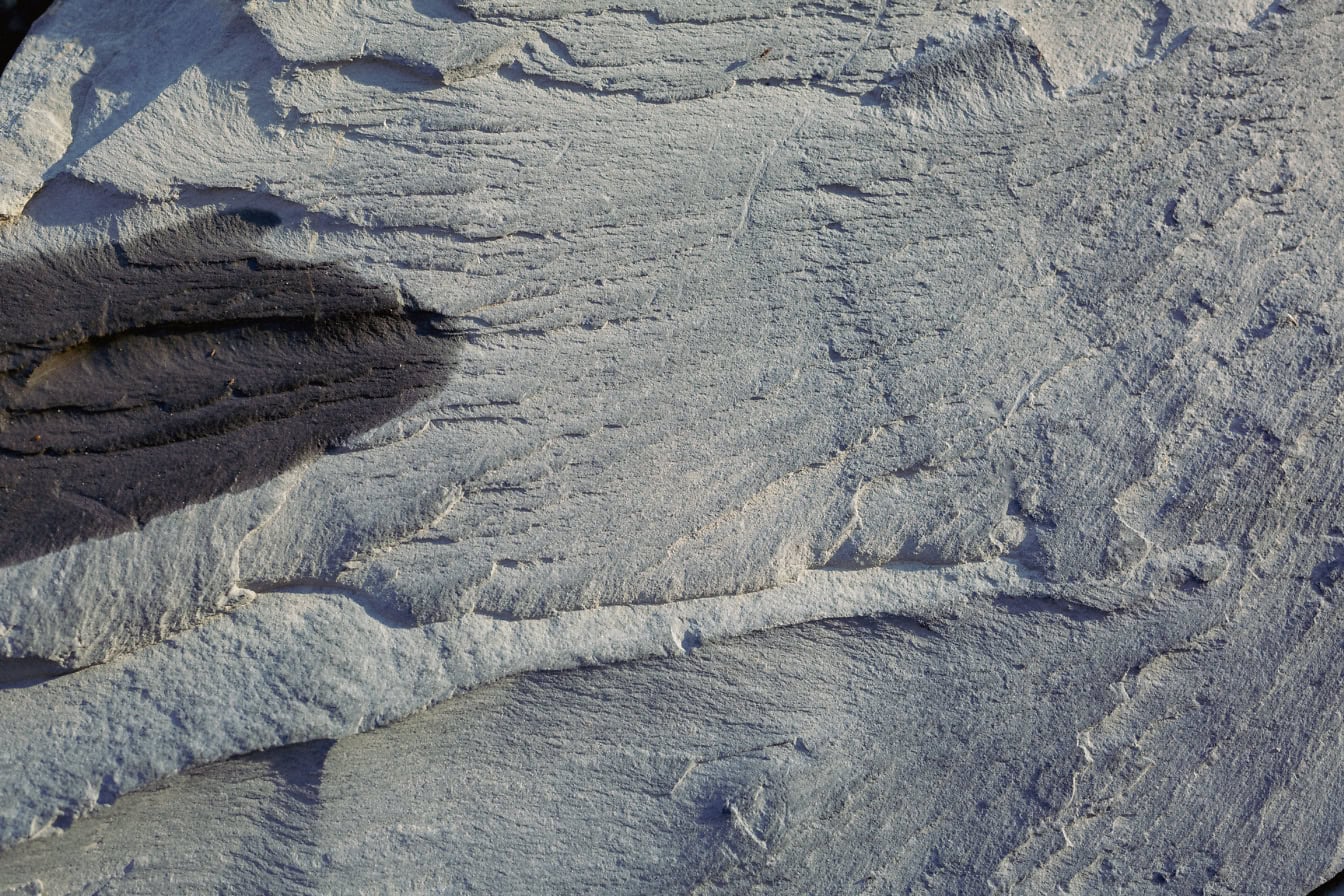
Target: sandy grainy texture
point(898, 448)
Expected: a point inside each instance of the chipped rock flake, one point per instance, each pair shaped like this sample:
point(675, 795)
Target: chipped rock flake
point(940, 404)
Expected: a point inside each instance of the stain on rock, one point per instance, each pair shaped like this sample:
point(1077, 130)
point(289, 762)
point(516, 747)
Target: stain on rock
point(137, 378)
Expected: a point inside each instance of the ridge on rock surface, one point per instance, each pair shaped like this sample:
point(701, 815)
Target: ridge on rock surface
point(892, 447)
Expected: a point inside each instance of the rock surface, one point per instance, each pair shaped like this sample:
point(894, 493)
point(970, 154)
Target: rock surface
point(895, 447)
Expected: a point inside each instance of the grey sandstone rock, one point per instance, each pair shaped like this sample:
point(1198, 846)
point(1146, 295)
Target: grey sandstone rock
point(893, 447)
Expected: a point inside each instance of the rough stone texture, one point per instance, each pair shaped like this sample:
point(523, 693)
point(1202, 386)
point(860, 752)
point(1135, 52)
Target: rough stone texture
point(932, 410)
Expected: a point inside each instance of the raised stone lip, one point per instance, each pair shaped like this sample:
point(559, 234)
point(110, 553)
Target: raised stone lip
point(140, 377)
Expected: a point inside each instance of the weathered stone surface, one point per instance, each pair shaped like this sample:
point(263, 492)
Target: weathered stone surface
point(1007, 337)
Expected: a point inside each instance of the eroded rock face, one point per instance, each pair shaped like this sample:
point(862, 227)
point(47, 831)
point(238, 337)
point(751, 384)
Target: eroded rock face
point(587, 334)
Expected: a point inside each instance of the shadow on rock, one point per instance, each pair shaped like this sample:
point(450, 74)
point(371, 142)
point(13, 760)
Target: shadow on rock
point(138, 378)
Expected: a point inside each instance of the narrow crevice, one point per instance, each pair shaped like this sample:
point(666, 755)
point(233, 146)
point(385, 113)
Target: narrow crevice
point(1157, 29)
point(1021, 604)
point(385, 612)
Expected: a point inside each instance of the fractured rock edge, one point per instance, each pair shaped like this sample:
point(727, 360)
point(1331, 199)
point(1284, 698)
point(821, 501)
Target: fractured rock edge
point(224, 674)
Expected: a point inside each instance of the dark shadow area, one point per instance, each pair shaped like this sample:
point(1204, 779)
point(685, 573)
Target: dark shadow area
point(1025, 605)
point(393, 76)
point(385, 613)
point(443, 9)
point(1329, 573)
point(137, 378)
point(1157, 28)
point(17, 17)
point(25, 671)
point(68, 201)
point(300, 768)
point(1333, 887)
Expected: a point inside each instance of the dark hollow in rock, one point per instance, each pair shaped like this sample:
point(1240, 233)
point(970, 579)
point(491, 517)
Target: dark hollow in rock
point(138, 378)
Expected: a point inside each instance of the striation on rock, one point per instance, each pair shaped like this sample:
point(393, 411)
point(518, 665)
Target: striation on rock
point(976, 368)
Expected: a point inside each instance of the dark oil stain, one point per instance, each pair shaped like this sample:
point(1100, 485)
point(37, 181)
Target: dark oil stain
point(139, 378)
